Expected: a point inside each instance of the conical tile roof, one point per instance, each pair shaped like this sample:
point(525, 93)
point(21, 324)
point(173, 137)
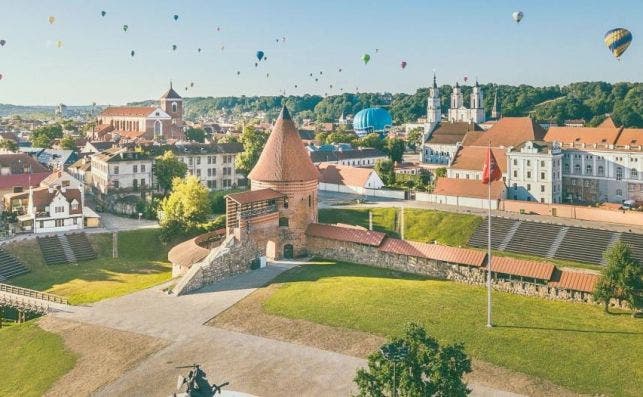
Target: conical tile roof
point(284, 158)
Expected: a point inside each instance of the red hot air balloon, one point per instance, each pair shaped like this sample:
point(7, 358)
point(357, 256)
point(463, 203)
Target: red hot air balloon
point(403, 64)
point(0, 76)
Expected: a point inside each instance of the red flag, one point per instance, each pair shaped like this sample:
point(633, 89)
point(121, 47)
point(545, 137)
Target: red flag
point(490, 171)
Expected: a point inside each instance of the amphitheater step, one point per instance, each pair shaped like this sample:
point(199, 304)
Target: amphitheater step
point(69, 253)
point(559, 239)
point(509, 236)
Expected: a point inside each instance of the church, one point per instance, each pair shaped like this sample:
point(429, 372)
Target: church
point(150, 123)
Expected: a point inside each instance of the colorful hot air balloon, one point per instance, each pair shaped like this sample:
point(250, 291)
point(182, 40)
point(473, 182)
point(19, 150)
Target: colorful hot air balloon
point(3, 42)
point(125, 27)
point(59, 44)
point(103, 13)
point(517, 16)
point(132, 53)
point(174, 47)
point(366, 58)
point(176, 17)
point(403, 64)
point(260, 55)
point(51, 20)
point(617, 40)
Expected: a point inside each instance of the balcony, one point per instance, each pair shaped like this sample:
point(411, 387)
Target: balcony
point(252, 212)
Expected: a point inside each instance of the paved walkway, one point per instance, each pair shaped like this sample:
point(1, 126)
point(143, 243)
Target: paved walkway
point(252, 364)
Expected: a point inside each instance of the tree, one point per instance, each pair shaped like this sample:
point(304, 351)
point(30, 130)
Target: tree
point(395, 149)
point(166, 168)
point(415, 365)
point(68, 143)
point(9, 145)
point(195, 134)
point(440, 172)
point(386, 171)
point(373, 140)
point(44, 136)
point(621, 278)
point(414, 138)
point(253, 142)
point(322, 137)
point(185, 208)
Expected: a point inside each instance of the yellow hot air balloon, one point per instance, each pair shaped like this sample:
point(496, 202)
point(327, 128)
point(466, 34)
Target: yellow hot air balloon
point(59, 44)
point(617, 40)
point(51, 20)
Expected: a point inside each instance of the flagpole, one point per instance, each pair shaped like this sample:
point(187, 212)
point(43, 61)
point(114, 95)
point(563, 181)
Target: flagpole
point(489, 323)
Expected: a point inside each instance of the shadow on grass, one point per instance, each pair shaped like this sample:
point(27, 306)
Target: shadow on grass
point(585, 331)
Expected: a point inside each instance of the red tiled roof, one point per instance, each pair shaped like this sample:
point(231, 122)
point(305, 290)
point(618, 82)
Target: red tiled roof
point(20, 163)
point(521, 267)
point(22, 180)
point(284, 157)
point(42, 198)
point(472, 158)
point(511, 131)
point(452, 132)
point(344, 175)
point(630, 137)
point(129, 111)
point(130, 134)
point(587, 135)
point(577, 281)
point(352, 235)
point(444, 253)
point(252, 196)
point(468, 188)
point(607, 123)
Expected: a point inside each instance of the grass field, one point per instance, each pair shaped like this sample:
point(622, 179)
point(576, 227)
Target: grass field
point(32, 360)
point(383, 218)
point(142, 263)
point(573, 345)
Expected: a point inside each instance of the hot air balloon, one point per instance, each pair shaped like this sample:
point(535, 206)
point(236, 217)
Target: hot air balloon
point(517, 16)
point(311, 75)
point(465, 78)
point(283, 39)
point(218, 28)
point(174, 47)
point(256, 64)
point(222, 47)
point(331, 86)
point(3, 42)
point(316, 79)
point(186, 87)
point(176, 17)
point(260, 55)
point(103, 13)
point(295, 85)
point(320, 72)
point(276, 40)
point(191, 84)
point(340, 70)
point(265, 59)
point(403, 64)
point(132, 53)
point(267, 75)
point(198, 50)
point(59, 44)
point(0, 76)
point(366, 58)
point(125, 27)
point(617, 40)
point(51, 20)
point(238, 72)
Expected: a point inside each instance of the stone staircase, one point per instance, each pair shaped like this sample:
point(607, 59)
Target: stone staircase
point(69, 253)
point(559, 239)
point(510, 234)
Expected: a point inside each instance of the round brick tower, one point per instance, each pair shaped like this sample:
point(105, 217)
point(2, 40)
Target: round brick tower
point(284, 166)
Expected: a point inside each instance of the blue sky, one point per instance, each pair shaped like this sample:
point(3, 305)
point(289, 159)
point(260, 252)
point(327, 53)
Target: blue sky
point(556, 43)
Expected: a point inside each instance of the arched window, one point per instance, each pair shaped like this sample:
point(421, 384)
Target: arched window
point(158, 128)
point(175, 107)
point(588, 169)
point(601, 170)
point(576, 168)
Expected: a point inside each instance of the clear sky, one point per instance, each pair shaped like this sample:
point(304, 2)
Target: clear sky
point(557, 42)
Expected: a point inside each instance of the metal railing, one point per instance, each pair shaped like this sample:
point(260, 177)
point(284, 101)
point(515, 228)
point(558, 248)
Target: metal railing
point(12, 289)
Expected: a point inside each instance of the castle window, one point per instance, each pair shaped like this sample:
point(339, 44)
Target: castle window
point(174, 107)
point(283, 221)
point(286, 202)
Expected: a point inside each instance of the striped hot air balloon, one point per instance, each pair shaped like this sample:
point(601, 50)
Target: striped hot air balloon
point(617, 40)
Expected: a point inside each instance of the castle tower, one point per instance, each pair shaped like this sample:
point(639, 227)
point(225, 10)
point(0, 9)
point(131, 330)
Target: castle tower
point(172, 104)
point(285, 167)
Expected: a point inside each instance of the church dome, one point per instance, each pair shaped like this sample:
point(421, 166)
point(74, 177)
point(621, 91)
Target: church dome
point(372, 120)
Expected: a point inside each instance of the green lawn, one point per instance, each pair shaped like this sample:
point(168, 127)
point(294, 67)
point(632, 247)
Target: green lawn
point(384, 219)
point(32, 360)
point(571, 344)
point(142, 263)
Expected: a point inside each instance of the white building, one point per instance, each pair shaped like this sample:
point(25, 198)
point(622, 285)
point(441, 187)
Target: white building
point(121, 169)
point(363, 157)
point(213, 164)
point(534, 172)
point(344, 179)
point(457, 111)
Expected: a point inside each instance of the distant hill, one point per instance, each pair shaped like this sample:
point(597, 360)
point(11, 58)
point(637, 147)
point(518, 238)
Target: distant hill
point(43, 112)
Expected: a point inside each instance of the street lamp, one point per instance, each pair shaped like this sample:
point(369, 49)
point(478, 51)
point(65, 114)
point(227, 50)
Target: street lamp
point(394, 352)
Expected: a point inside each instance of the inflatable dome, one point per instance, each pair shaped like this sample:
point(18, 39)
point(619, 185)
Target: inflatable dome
point(372, 120)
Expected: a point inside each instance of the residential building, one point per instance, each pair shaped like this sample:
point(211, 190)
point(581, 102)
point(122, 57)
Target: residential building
point(82, 171)
point(213, 164)
point(469, 161)
point(97, 146)
point(56, 159)
point(345, 179)
point(19, 172)
point(443, 143)
point(121, 169)
point(534, 172)
point(363, 157)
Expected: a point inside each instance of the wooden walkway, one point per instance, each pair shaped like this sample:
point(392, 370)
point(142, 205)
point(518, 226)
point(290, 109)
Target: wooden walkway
point(30, 301)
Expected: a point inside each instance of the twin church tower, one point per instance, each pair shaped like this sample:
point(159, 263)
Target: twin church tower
point(457, 111)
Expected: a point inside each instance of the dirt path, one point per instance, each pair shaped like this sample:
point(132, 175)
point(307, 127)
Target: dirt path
point(104, 354)
point(247, 316)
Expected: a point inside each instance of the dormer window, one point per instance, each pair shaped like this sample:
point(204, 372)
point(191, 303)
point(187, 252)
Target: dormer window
point(577, 140)
point(603, 140)
point(74, 205)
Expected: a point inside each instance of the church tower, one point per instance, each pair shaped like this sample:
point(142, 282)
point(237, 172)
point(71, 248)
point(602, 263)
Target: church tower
point(456, 97)
point(495, 111)
point(477, 108)
point(172, 104)
point(433, 110)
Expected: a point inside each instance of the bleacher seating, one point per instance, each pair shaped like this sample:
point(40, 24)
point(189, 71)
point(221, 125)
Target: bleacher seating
point(533, 238)
point(499, 229)
point(79, 243)
point(584, 245)
point(635, 241)
point(52, 250)
point(10, 266)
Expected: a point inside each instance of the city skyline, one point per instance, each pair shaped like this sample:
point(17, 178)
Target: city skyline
point(554, 44)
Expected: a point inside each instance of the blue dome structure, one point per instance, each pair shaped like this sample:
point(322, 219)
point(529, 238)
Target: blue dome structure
point(371, 120)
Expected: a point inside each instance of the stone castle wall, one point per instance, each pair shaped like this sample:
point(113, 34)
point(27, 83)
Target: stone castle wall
point(372, 256)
